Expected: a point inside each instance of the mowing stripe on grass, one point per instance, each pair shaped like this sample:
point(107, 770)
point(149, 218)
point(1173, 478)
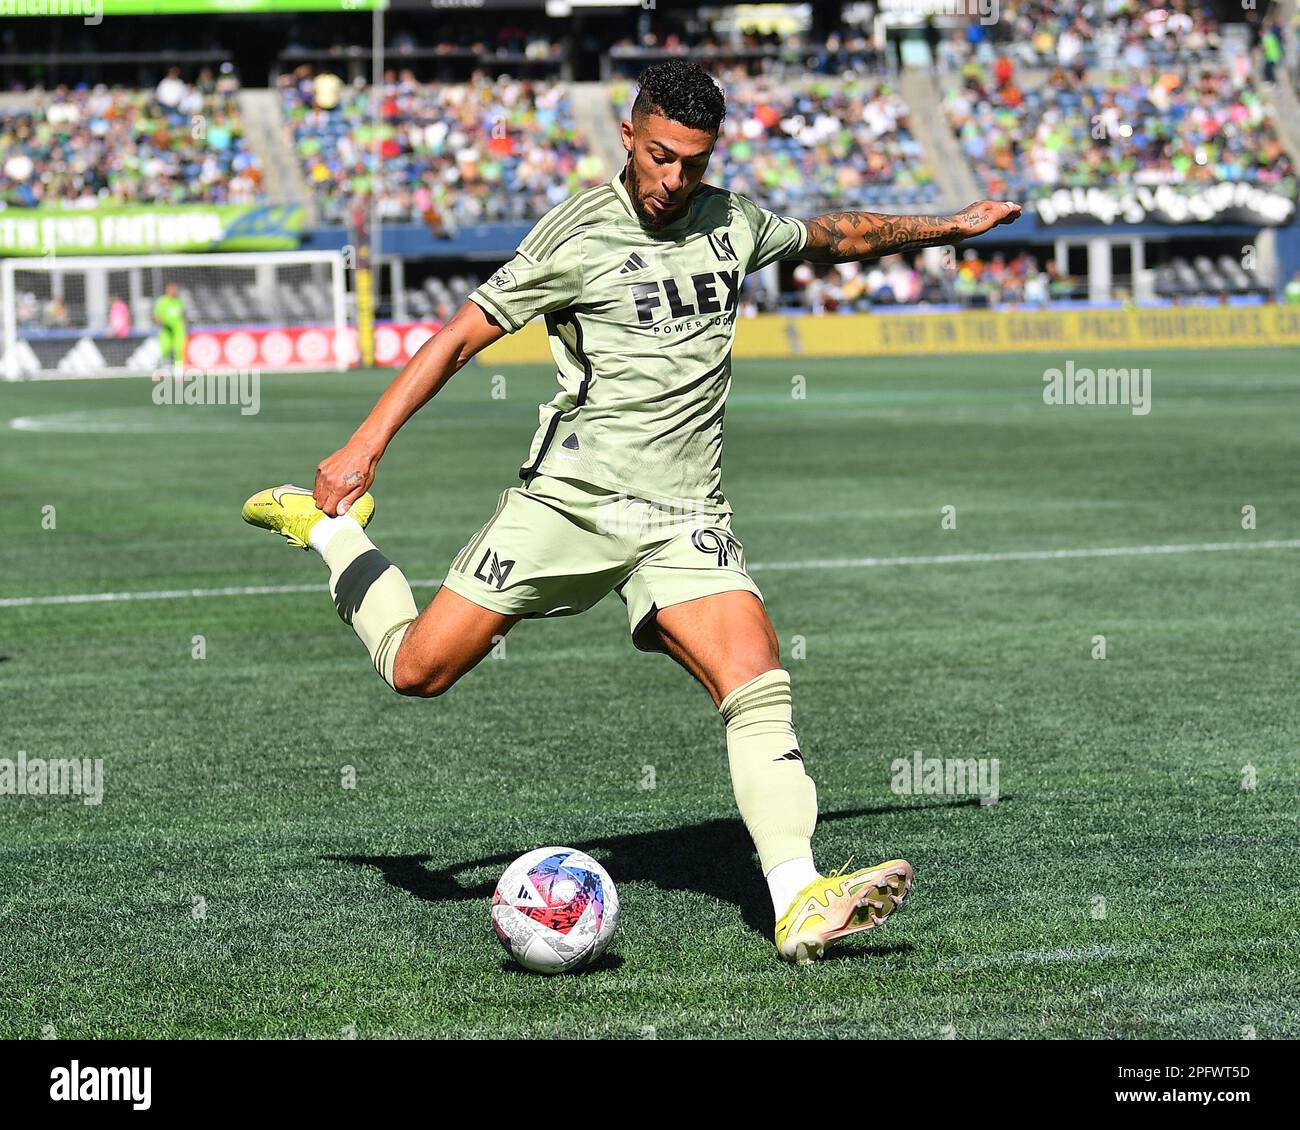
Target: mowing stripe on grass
point(1104, 951)
point(816, 563)
point(1027, 555)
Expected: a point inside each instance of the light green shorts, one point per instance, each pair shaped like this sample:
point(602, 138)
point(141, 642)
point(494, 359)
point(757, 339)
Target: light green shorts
point(555, 547)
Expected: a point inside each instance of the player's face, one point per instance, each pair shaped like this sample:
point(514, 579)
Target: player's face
point(666, 162)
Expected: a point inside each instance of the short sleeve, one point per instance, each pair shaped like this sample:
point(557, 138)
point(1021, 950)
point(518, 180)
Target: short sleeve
point(775, 237)
point(528, 286)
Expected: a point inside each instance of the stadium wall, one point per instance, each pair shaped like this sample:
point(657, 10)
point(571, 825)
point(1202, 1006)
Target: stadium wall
point(853, 335)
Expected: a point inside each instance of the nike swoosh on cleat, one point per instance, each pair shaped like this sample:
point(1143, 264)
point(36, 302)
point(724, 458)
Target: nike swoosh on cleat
point(277, 493)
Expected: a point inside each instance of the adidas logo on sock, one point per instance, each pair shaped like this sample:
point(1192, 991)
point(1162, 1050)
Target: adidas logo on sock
point(793, 755)
point(634, 263)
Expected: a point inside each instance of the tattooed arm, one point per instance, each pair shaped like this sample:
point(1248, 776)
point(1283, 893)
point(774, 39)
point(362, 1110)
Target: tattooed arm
point(844, 237)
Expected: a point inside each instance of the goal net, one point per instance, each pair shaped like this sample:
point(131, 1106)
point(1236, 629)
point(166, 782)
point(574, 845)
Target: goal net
point(99, 315)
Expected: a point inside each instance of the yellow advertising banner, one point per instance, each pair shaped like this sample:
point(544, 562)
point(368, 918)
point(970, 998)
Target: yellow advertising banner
point(886, 335)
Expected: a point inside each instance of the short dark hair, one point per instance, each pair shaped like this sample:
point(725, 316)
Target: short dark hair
point(683, 92)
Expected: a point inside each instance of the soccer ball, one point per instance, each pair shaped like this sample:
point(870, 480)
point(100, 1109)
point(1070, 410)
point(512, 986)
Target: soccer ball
point(555, 910)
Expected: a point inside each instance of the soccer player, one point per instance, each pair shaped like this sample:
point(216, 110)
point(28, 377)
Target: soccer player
point(638, 280)
point(169, 317)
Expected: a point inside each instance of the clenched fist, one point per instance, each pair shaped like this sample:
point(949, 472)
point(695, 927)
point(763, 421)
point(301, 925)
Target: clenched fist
point(344, 477)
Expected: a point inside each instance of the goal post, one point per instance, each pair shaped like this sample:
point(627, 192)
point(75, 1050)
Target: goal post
point(93, 315)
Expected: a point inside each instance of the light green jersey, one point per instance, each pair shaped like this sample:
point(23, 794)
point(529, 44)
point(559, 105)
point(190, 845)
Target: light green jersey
point(641, 324)
point(169, 311)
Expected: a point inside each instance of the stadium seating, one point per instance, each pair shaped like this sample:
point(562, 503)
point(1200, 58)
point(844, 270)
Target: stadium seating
point(897, 280)
point(453, 153)
point(1108, 33)
point(179, 143)
point(1200, 275)
point(816, 145)
point(1148, 128)
point(438, 298)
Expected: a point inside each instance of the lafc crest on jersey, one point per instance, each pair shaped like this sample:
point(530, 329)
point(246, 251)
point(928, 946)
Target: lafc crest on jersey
point(721, 244)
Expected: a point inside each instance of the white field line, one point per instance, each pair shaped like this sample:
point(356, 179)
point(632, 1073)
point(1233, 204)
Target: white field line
point(816, 563)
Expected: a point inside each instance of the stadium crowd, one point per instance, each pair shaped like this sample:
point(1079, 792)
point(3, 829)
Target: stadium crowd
point(815, 145)
point(1096, 33)
point(451, 153)
point(180, 143)
point(899, 280)
point(753, 54)
point(1148, 127)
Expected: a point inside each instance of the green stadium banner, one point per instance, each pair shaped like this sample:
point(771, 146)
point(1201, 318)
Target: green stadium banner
point(94, 10)
point(150, 228)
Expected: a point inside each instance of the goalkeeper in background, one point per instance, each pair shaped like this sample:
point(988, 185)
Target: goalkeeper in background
point(169, 317)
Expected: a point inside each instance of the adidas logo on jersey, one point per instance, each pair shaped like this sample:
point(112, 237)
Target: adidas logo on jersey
point(634, 263)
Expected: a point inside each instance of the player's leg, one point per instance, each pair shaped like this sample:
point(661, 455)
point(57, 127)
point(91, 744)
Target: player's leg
point(180, 336)
point(415, 653)
point(165, 347)
point(450, 637)
point(693, 599)
point(691, 632)
point(727, 642)
point(538, 555)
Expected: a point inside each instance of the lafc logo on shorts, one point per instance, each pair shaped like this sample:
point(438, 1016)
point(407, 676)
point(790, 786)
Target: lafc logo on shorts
point(497, 570)
point(722, 545)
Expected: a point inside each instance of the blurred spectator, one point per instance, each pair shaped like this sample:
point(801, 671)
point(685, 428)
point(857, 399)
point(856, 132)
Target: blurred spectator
point(1152, 127)
point(119, 318)
point(56, 312)
point(898, 280)
point(115, 146)
point(326, 87)
point(450, 153)
point(1270, 44)
point(171, 89)
point(817, 145)
point(1095, 33)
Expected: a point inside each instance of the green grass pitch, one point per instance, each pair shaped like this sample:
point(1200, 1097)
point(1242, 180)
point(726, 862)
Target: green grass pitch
point(1127, 885)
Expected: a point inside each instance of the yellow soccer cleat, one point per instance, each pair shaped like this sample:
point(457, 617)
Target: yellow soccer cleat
point(291, 512)
point(840, 904)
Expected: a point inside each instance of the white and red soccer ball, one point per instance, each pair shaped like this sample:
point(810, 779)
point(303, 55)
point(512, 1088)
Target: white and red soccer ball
point(555, 910)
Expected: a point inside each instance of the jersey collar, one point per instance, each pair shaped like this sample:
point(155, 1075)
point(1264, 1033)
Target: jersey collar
point(668, 231)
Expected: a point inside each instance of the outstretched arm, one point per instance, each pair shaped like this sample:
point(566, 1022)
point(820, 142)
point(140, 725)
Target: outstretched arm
point(346, 475)
point(846, 237)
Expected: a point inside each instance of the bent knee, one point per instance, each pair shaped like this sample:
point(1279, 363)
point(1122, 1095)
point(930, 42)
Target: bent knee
point(422, 682)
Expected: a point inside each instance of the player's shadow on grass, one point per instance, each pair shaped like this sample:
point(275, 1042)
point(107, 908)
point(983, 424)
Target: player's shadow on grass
point(714, 858)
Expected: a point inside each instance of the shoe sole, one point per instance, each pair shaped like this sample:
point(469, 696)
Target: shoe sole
point(872, 900)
